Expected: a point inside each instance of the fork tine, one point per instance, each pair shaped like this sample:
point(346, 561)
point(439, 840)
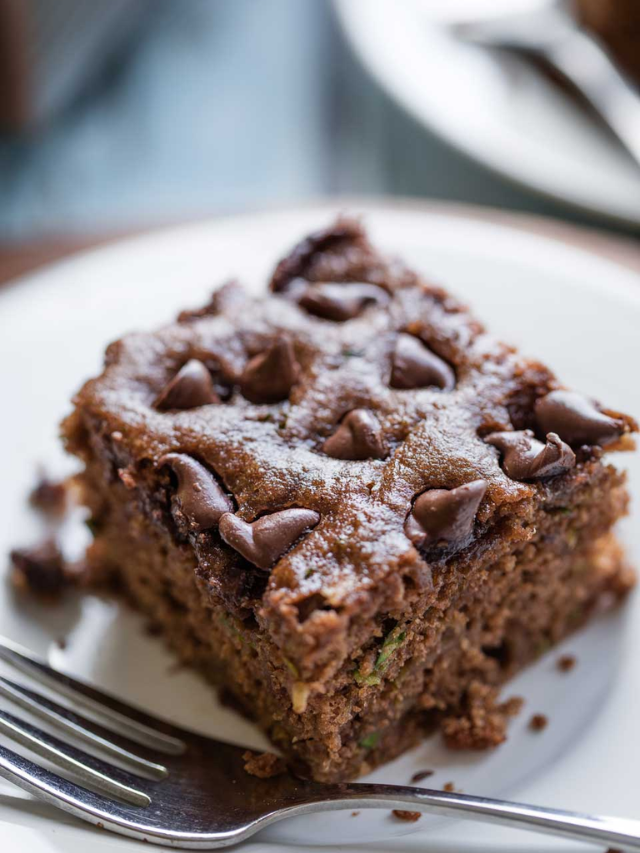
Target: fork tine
point(76, 725)
point(69, 758)
point(127, 720)
point(73, 798)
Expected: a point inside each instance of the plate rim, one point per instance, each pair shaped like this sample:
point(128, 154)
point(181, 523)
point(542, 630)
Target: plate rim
point(512, 222)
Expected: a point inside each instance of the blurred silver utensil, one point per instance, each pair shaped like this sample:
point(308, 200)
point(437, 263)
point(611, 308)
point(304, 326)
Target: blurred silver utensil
point(553, 33)
point(169, 786)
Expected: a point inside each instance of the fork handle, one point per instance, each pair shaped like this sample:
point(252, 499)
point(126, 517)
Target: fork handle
point(584, 62)
point(606, 831)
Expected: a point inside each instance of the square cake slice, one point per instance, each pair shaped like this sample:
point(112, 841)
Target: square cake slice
point(348, 504)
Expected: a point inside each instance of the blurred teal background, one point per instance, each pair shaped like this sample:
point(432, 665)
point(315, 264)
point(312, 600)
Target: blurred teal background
point(212, 106)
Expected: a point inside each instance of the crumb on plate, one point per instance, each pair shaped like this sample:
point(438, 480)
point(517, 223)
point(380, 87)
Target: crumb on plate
point(40, 570)
point(420, 775)
point(264, 765)
point(566, 663)
point(49, 496)
point(410, 817)
point(538, 722)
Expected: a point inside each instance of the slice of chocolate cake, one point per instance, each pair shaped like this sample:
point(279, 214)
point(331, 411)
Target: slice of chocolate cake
point(348, 504)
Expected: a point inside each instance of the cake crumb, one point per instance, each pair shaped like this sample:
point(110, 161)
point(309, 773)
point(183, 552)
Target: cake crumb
point(355, 814)
point(512, 706)
point(264, 765)
point(482, 723)
point(566, 663)
point(420, 775)
point(411, 817)
point(40, 570)
point(49, 496)
point(538, 722)
point(127, 477)
point(449, 787)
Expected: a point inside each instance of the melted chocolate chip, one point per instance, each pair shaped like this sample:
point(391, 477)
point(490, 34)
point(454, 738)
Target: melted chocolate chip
point(526, 458)
point(338, 302)
point(358, 437)
point(415, 366)
point(192, 386)
point(343, 233)
point(265, 540)
point(576, 419)
point(444, 515)
point(269, 376)
point(199, 498)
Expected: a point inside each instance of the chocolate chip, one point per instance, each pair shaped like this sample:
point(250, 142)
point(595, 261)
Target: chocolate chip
point(338, 302)
point(342, 234)
point(270, 375)
point(199, 499)
point(358, 437)
point(445, 515)
point(192, 386)
point(526, 458)
point(265, 540)
point(576, 419)
point(415, 366)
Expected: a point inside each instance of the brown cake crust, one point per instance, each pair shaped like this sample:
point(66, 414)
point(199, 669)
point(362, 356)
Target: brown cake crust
point(355, 632)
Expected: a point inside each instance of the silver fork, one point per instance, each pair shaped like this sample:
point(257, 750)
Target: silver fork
point(552, 32)
point(173, 787)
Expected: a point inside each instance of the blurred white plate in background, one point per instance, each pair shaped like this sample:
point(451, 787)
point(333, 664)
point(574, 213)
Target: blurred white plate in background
point(576, 311)
point(495, 107)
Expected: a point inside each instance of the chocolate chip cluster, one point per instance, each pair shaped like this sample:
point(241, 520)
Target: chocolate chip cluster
point(200, 502)
point(447, 516)
point(438, 517)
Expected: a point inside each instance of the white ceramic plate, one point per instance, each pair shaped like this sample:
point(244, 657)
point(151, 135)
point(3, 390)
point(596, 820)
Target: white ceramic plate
point(494, 107)
point(576, 311)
